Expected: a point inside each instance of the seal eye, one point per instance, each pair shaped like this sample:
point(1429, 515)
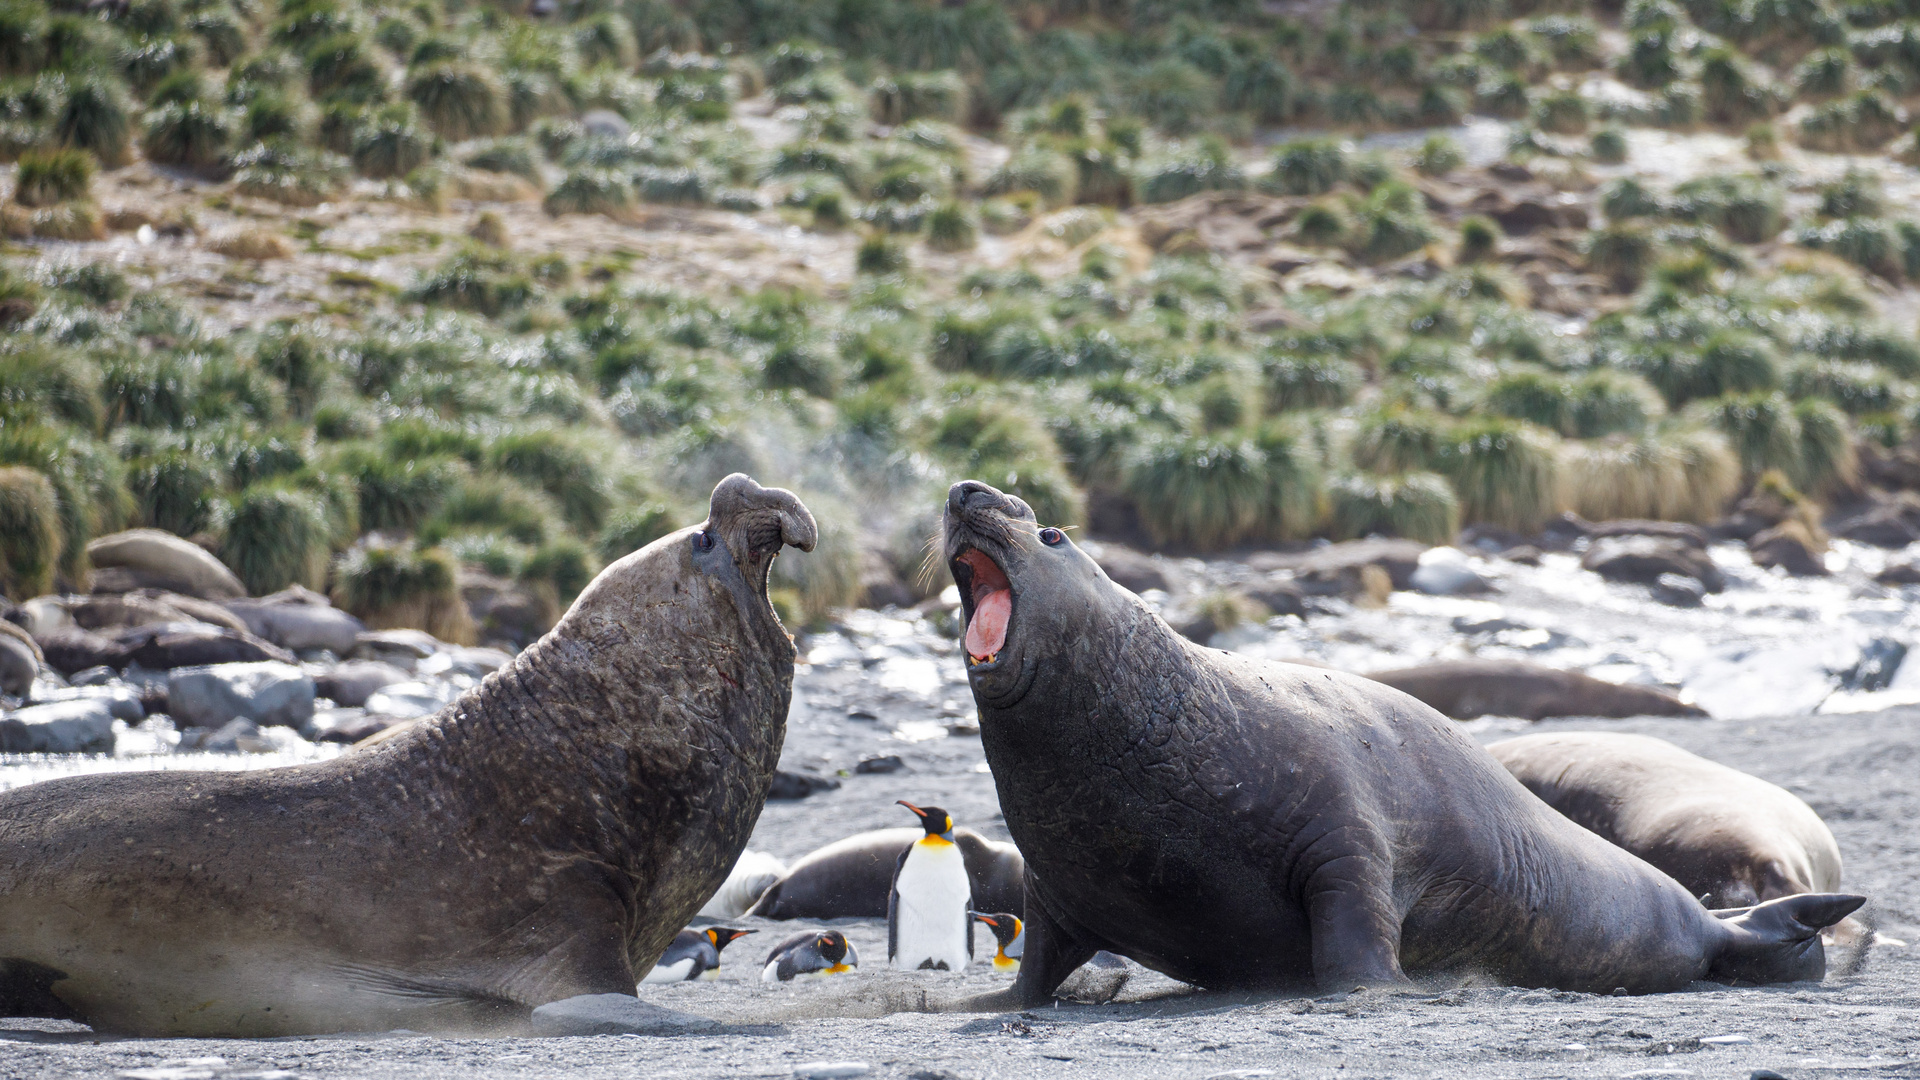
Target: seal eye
point(703, 541)
point(1052, 537)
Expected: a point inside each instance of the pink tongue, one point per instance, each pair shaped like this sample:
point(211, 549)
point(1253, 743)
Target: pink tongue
point(987, 630)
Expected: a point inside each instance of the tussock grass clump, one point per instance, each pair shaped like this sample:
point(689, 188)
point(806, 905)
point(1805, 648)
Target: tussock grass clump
point(1761, 428)
point(394, 587)
point(950, 227)
point(563, 565)
point(277, 536)
point(1608, 146)
point(192, 135)
point(30, 533)
point(1562, 113)
point(1437, 156)
point(1503, 472)
point(1860, 123)
point(459, 100)
point(1676, 475)
point(288, 174)
point(389, 144)
point(398, 491)
point(1746, 208)
point(89, 484)
point(177, 490)
point(1828, 456)
point(1598, 403)
point(1307, 167)
point(1418, 506)
point(567, 469)
point(492, 504)
point(1309, 382)
point(477, 279)
point(1049, 174)
point(880, 254)
point(1857, 388)
point(46, 177)
point(1622, 254)
point(998, 440)
point(590, 191)
point(1399, 440)
point(46, 382)
point(1869, 243)
point(1203, 493)
point(909, 96)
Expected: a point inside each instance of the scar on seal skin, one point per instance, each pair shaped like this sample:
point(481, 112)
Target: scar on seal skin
point(1239, 823)
point(540, 839)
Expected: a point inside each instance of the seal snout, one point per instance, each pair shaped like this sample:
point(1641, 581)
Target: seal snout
point(755, 521)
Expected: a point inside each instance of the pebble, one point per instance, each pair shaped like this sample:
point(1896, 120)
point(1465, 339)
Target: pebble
point(891, 763)
point(830, 1070)
point(1764, 1074)
point(1724, 1040)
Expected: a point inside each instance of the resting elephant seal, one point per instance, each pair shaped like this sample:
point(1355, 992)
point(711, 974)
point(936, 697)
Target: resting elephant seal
point(541, 838)
point(1731, 839)
point(851, 878)
point(1233, 822)
point(1465, 689)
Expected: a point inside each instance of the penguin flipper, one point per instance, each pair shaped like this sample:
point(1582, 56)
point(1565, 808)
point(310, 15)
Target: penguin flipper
point(893, 904)
point(966, 913)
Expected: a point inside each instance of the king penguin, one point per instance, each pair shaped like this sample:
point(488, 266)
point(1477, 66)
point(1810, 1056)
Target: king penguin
point(812, 954)
point(927, 922)
point(694, 954)
point(1009, 935)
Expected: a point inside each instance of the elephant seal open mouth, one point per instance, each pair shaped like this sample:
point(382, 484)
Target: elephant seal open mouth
point(541, 839)
point(1234, 822)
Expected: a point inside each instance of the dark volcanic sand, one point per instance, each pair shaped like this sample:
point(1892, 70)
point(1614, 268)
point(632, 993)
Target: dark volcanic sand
point(1860, 772)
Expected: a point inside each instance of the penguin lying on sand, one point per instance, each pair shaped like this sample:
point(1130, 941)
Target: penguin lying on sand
point(1009, 933)
point(927, 923)
point(814, 954)
point(694, 954)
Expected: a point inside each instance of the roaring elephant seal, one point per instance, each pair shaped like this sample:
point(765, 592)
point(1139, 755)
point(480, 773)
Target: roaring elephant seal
point(1233, 822)
point(541, 839)
point(1732, 839)
point(851, 878)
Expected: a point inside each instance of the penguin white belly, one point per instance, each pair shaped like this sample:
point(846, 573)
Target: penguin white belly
point(930, 910)
point(670, 973)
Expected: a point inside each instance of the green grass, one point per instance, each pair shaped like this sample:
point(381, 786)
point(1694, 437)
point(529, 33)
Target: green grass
point(192, 135)
point(46, 177)
point(1679, 475)
point(276, 536)
point(41, 381)
point(177, 490)
point(30, 533)
point(390, 586)
point(459, 100)
point(1199, 493)
point(1419, 506)
point(1502, 471)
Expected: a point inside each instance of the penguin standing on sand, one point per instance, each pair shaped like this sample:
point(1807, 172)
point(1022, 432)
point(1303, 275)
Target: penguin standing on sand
point(1010, 936)
point(694, 954)
point(812, 954)
point(928, 927)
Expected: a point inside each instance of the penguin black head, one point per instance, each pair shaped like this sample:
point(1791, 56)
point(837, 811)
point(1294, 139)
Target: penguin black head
point(936, 821)
point(832, 945)
point(723, 936)
point(1005, 927)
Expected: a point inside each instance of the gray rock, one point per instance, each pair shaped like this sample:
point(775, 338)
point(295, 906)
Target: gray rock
point(1447, 577)
point(43, 615)
point(1790, 547)
point(348, 725)
point(403, 647)
point(110, 612)
point(298, 619)
point(1678, 590)
point(353, 682)
point(150, 558)
point(830, 1070)
point(890, 763)
point(266, 693)
point(1096, 982)
point(93, 676)
point(410, 700)
point(507, 610)
point(122, 701)
point(1278, 595)
point(165, 646)
point(605, 123)
point(237, 736)
point(83, 726)
point(613, 1014)
point(70, 649)
point(1334, 570)
point(792, 785)
point(1134, 570)
point(19, 663)
point(461, 660)
point(1900, 573)
point(1643, 559)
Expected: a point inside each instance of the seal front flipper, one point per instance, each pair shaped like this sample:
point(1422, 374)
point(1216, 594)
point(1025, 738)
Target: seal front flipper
point(1050, 953)
point(1355, 932)
point(1779, 941)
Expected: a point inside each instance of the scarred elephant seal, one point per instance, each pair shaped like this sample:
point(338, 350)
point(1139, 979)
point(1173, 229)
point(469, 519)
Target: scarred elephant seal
point(542, 838)
point(1730, 838)
point(1233, 822)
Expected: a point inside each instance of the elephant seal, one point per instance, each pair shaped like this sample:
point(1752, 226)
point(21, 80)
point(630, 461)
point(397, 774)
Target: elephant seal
point(1237, 823)
point(1731, 839)
point(1465, 689)
point(542, 838)
point(851, 878)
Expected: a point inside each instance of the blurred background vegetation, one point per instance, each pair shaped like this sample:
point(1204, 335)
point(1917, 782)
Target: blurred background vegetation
point(531, 417)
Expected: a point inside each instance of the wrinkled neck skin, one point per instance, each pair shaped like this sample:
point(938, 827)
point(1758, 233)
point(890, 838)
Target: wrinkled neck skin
point(635, 742)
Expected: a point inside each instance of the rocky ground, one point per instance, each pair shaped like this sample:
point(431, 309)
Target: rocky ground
point(886, 686)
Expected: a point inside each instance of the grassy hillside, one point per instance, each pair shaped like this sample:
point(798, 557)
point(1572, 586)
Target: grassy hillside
point(1036, 282)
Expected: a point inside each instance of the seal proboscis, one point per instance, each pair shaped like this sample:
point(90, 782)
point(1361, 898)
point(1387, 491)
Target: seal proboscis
point(542, 838)
point(1234, 822)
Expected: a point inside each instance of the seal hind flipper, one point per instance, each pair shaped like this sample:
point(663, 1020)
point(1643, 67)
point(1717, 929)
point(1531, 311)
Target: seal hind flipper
point(1779, 941)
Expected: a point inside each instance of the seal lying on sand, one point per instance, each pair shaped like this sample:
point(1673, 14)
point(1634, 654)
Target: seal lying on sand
point(1466, 689)
point(542, 838)
point(1731, 839)
point(1238, 823)
point(851, 878)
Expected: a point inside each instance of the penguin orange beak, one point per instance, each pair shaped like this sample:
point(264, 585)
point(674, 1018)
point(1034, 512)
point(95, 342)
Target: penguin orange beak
point(988, 919)
point(910, 806)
